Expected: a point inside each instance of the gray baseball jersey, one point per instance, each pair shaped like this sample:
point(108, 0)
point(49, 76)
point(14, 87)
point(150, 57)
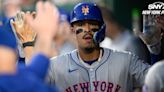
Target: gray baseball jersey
point(154, 81)
point(115, 72)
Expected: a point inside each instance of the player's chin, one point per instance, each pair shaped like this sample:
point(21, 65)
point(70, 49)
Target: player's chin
point(89, 49)
point(90, 46)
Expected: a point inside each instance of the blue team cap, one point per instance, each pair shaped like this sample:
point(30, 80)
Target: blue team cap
point(64, 15)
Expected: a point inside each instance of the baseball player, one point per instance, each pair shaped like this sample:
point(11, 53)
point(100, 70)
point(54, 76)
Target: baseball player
point(91, 68)
point(154, 81)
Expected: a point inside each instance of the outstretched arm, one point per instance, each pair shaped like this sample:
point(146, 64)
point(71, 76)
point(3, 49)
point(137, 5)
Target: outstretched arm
point(24, 34)
point(153, 40)
point(45, 24)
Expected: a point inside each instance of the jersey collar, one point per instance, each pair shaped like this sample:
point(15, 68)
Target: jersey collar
point(79, 62)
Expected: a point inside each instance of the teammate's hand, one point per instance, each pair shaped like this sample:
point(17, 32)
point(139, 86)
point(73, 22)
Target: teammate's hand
point(151, 39)
point(46, 25)
point(22, 29)
point(46, 21)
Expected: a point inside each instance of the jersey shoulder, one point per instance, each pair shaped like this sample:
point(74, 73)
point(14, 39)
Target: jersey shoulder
point(118, 56)
point(117, 53)
point(62, 59)
point(157, 68)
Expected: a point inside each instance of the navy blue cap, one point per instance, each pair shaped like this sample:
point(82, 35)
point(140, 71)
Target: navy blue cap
point(86, 11)
point(64, 15)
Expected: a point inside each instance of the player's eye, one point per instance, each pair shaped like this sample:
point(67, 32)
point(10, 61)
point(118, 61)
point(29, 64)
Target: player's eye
point(92, 24)
point(94, 29)
point(79, 31)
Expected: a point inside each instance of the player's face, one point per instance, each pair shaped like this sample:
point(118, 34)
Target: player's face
point(84, 33)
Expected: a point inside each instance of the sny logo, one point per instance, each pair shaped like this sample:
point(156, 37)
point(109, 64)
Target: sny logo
point(156, 5)
point(156, 8)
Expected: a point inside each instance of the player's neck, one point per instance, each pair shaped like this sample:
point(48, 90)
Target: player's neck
point(85, 56)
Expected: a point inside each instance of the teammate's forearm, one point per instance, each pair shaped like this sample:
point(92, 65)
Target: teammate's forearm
point(28, 53)
point(44, 46)
point(155, 48)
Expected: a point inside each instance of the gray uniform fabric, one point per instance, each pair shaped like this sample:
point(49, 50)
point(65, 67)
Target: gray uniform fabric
point(154, 81)
point(115, 72)
point(126, 41)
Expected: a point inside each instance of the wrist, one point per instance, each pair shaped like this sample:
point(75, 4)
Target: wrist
point(44, 47)
point(27, 44)
point(155, 48)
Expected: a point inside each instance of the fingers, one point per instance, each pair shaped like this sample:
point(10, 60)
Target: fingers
point(56, 17)
point(19, 19)
point(48, 7)
point(39, 7)
point(29, 19)
point(47, 18)
point(52, 11)
point(56, 12)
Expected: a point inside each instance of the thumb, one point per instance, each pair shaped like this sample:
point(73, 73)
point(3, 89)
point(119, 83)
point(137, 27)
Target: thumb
point(12, 23)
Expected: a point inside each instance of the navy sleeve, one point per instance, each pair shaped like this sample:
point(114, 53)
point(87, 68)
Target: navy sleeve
point(39, 65)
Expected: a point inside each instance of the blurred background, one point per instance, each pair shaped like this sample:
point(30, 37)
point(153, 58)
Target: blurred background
point(128, 12)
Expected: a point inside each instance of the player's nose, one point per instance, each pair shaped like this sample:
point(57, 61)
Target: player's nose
point(87, 27)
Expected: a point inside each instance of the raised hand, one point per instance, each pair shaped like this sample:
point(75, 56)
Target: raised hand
point(46, 25)
point(153, 34)
point(46, 21)
point(22, 29)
